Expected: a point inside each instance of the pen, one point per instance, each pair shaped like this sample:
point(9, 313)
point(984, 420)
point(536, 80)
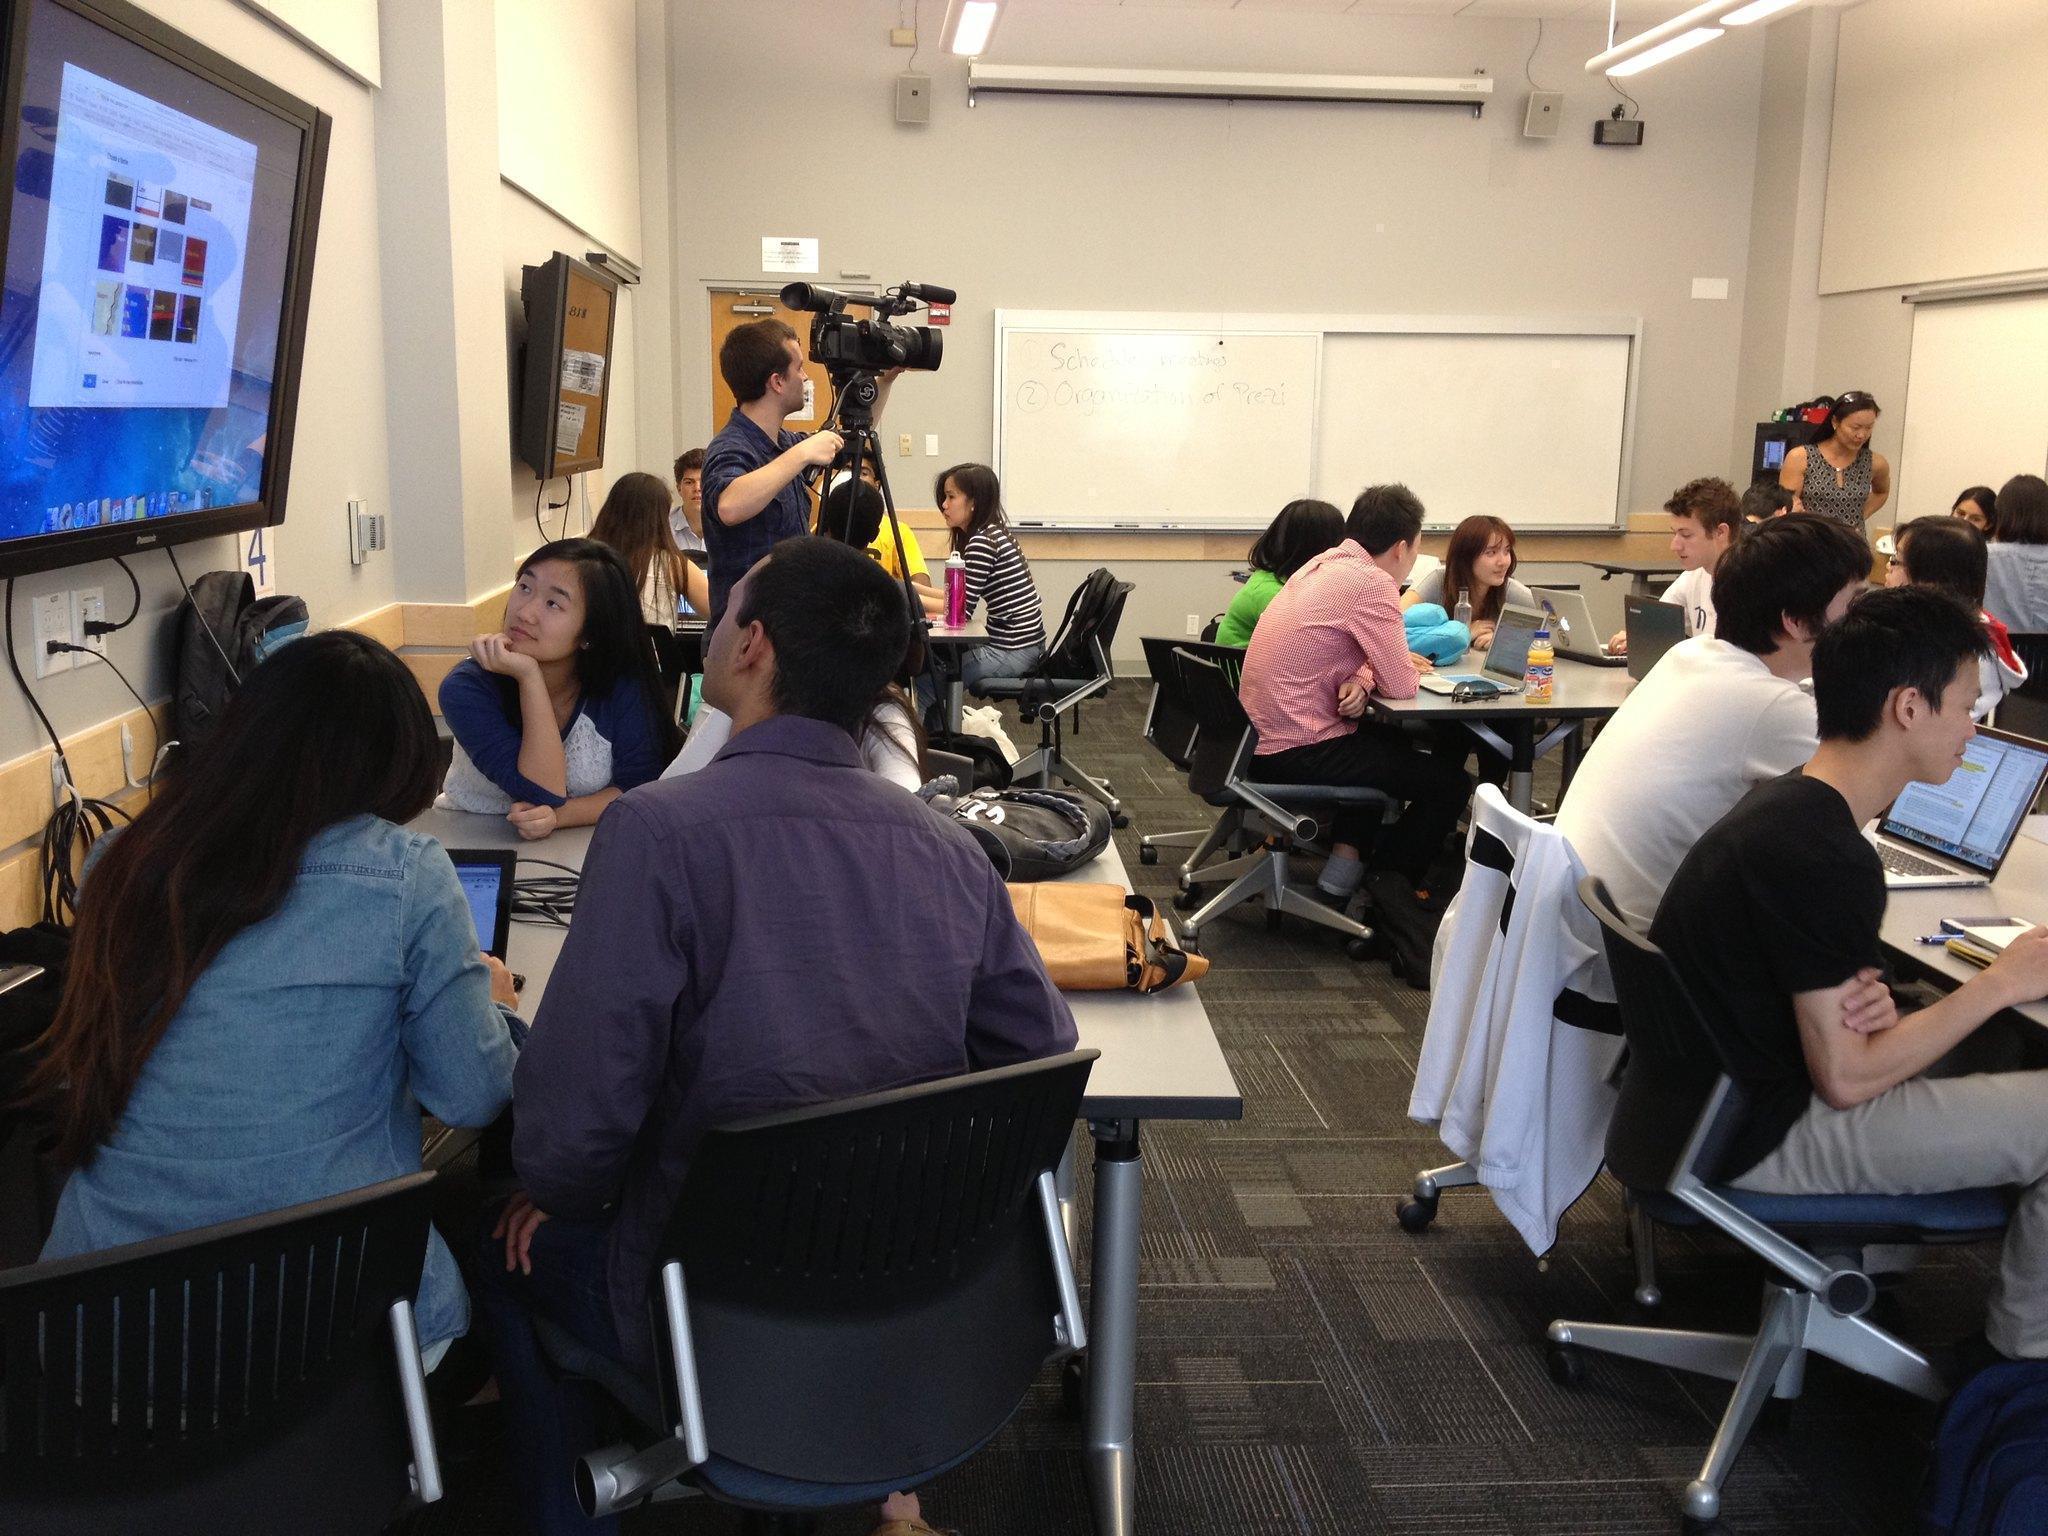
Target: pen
point(1934, 938)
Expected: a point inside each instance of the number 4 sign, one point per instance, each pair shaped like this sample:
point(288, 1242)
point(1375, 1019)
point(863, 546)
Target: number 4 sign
point(259, 559)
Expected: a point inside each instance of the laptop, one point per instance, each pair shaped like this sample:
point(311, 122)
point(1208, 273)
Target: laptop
point(486, 876)
point(1572, 628)
point(1959, 833)
point(1506, 668)
point(1653, 626)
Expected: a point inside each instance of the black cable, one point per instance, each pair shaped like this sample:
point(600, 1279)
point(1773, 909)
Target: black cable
point(102, 627)
point(199, 618)
point(1635, 107)
point(539, 490)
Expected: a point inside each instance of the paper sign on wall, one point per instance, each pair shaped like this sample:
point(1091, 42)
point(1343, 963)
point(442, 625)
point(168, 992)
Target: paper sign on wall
point(259, 559)
point(789, 253)
point(810, 410)
point(582, 372)
point(569, 419)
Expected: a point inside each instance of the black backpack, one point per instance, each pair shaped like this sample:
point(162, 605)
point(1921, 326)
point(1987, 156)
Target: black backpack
point(1046, 832)
point(224, 631)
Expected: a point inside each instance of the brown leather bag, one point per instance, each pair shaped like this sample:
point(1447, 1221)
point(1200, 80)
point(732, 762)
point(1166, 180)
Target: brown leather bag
point(1100, 938)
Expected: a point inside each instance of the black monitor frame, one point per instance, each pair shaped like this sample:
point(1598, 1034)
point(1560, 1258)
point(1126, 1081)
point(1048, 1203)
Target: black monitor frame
point(50, 551)
point(544, 300)
point(1793, 434)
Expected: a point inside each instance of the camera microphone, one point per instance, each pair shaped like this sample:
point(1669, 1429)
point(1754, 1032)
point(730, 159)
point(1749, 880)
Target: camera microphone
point(811, 296)
point(931, 293)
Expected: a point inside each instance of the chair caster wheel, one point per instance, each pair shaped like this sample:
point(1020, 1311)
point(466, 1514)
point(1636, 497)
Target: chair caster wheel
point(1358, 949)
point(1191, 940)
point(1074, 1386)
point(1567, 1365)
point(1415, 1215)
point(1146, 853)
point(1119, 820)
point(1186, 901)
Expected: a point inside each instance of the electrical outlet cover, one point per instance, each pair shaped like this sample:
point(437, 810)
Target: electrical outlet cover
point(52, 622)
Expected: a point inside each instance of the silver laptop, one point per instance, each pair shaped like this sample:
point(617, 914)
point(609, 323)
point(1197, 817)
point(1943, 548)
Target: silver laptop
point(1507, 659)
point(1959, 833)
point(1572, 628)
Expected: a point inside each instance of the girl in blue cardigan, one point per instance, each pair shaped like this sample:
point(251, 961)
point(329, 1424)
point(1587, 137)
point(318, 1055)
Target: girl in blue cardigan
point(561, 711)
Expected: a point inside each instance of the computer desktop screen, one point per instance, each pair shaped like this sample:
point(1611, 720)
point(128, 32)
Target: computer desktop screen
point(158, 245)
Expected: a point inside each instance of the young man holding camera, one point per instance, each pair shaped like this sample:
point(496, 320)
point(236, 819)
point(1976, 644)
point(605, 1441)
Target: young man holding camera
point(754, 471)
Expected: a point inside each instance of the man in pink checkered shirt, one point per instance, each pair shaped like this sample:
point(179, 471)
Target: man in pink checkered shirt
point(1330, 640)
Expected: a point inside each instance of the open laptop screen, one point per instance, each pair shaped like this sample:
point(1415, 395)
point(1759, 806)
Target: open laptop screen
point(486, 877)
point(1508, 656)
point(1974, 817)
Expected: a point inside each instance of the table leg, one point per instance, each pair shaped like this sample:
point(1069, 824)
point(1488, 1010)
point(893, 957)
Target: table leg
point(1640, 584)
point(1113, 1329)
point(1521, 736)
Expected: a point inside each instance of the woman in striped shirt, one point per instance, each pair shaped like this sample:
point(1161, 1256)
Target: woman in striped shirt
point(971, 502)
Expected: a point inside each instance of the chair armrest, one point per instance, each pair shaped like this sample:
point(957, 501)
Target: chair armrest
point(1070, 1326)
point(419, 1418)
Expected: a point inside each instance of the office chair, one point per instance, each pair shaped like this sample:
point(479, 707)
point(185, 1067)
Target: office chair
point(259, 1373)
point(2025, 709)
point(679, 658)
point(854, 1297)
point(1076, 666)
point(1664, 1143)
point(1171, 728)
point(1487, 1057)
point(1271, 821)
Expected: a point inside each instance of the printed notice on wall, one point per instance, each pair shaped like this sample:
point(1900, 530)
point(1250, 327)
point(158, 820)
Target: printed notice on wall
point(582, 372)
point(569, 419)
point(789, 253)
point(810, 406)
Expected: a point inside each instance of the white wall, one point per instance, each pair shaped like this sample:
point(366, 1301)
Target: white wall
point(1082, 203)
point(1941, 119)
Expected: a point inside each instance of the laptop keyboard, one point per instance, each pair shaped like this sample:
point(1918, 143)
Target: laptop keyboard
point(1899, 862)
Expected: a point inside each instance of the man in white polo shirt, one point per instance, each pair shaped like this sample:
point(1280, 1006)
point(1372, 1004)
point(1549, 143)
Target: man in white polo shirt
point(1718, 715)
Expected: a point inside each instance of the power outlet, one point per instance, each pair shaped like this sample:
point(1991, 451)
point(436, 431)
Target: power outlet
point(1194, 623)
point(53, 622)
point(903, 445)
point(88, 606)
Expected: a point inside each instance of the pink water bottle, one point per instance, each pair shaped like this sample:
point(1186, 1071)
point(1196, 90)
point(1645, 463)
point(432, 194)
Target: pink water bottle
point(956, 590)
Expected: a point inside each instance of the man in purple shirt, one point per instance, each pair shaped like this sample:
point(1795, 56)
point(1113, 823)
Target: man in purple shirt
point(780, 929)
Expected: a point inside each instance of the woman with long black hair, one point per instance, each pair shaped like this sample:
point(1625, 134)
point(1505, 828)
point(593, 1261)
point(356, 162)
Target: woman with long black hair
point(561, 711)
point(271, 978)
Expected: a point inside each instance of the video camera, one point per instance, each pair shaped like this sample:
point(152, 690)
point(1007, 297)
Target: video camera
point(846, 346)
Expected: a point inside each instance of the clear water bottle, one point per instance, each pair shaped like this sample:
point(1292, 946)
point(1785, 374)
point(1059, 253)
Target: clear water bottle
point(1464, 611)
point(956, 590)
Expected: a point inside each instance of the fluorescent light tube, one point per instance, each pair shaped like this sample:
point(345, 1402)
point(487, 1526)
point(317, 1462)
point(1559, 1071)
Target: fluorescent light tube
point(971, 30)
point(1756, 10)
point(1670, 48)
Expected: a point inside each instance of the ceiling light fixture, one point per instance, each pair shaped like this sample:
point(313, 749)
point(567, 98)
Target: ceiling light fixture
point(969, 25)
point(1682, 33)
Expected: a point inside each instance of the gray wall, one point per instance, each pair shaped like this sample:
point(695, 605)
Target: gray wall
point(785, 127)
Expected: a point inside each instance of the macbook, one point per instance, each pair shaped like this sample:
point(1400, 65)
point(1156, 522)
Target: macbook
point(486, 876)
point(1507, 659)
point(1653, 627)
point(1572, 628)
point(1959, 833)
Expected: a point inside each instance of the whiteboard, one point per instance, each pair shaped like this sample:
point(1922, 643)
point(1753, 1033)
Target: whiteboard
point(1976, 399)
point(1217, 421)
point(1529, 426)
point(1150, 428)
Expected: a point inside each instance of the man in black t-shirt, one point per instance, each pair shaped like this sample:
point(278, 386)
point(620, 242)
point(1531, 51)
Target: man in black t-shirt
point(1773, 922)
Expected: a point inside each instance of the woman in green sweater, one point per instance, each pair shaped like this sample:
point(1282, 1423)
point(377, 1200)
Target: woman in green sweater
point(1303, 530)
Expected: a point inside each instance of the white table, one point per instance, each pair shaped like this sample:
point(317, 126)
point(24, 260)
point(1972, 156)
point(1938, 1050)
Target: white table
point(2020, 891)
point(1580, 691)
point(1160, 1061)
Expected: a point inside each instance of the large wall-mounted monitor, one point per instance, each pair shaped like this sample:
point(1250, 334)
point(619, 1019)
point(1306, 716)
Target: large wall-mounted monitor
point(157, 247)
point(567, 374)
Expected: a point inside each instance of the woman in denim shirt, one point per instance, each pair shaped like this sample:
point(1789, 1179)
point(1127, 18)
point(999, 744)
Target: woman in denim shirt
point(270, 977)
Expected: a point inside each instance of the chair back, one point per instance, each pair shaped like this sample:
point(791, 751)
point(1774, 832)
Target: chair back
point(2024, 711)
point(872, 1287)
point(1169, 718)
point(237, 1377)
point(1225, 739)
point(1673, 1064)
point(1096, 603)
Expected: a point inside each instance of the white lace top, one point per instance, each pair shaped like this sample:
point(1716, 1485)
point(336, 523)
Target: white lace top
point(586, 755)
